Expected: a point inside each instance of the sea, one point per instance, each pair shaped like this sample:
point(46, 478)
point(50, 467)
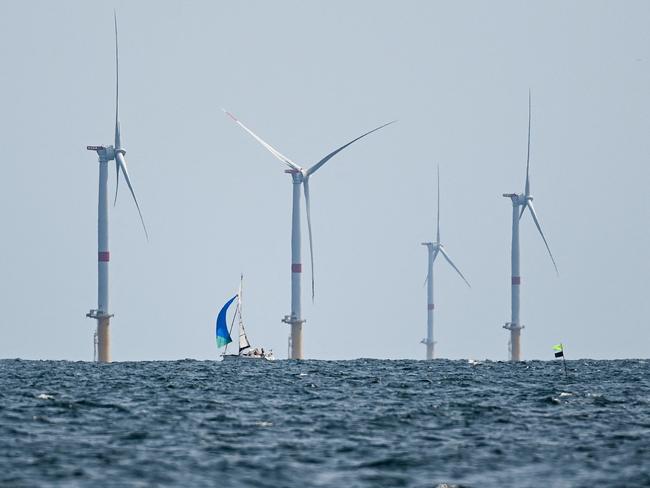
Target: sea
point(361, 423)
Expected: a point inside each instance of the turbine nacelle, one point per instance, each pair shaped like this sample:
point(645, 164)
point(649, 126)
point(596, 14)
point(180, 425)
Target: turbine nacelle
point(518, 199)
point(298, 175)
point(109, 153)
point(105, 152)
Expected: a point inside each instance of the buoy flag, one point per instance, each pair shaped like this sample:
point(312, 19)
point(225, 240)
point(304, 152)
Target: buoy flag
point(559, 350)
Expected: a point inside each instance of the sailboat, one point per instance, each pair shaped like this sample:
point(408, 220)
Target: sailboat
point(223, 333)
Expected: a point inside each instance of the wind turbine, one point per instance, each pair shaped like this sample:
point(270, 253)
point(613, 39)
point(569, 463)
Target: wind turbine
point(300, 177)
point(435, 248)
point(525, 201)
point(105, 154)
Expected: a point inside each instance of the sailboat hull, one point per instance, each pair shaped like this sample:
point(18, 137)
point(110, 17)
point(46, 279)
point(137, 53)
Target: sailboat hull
point(247, 357)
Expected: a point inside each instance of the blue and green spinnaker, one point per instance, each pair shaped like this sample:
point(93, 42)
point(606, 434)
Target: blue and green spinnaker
point(223, 336)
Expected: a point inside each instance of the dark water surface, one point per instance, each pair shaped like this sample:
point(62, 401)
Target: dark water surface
point(325, 423)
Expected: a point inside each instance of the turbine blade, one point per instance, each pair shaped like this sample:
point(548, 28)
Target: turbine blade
point(523, 209)
point(539, 228)
point(446, 256)
point(433, 260)
point(438, 218)
point(118, 141)
point(305, 186)
point(527, 190)
point(270, 148)
point(119, 160)
point(117, 182)
point(320, 163)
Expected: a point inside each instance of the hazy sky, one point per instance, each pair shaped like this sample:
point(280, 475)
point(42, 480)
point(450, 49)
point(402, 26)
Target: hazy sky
point(308, 77)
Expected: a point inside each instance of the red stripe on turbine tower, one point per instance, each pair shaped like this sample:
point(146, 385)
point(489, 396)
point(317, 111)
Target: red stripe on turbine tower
point(516, 280)
point(431, 306)
point(296, 268)
point(104, 256)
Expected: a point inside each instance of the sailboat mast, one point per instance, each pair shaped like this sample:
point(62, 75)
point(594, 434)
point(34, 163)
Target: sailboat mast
point(232, 324)
point(241, 285)
point(237, 311)
point(243, 339)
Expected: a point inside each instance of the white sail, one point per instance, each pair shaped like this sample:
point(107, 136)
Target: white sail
point(243, 340)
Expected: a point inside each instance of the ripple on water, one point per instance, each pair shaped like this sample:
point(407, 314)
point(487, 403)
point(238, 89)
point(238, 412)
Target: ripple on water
point(325, 423)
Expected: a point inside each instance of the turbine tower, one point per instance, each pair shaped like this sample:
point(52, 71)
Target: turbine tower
point(525, 201)
point(105, 154)
point(435, 248)
point(300, 178)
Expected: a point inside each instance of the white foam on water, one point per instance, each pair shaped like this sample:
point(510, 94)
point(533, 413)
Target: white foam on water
point(45, 396)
